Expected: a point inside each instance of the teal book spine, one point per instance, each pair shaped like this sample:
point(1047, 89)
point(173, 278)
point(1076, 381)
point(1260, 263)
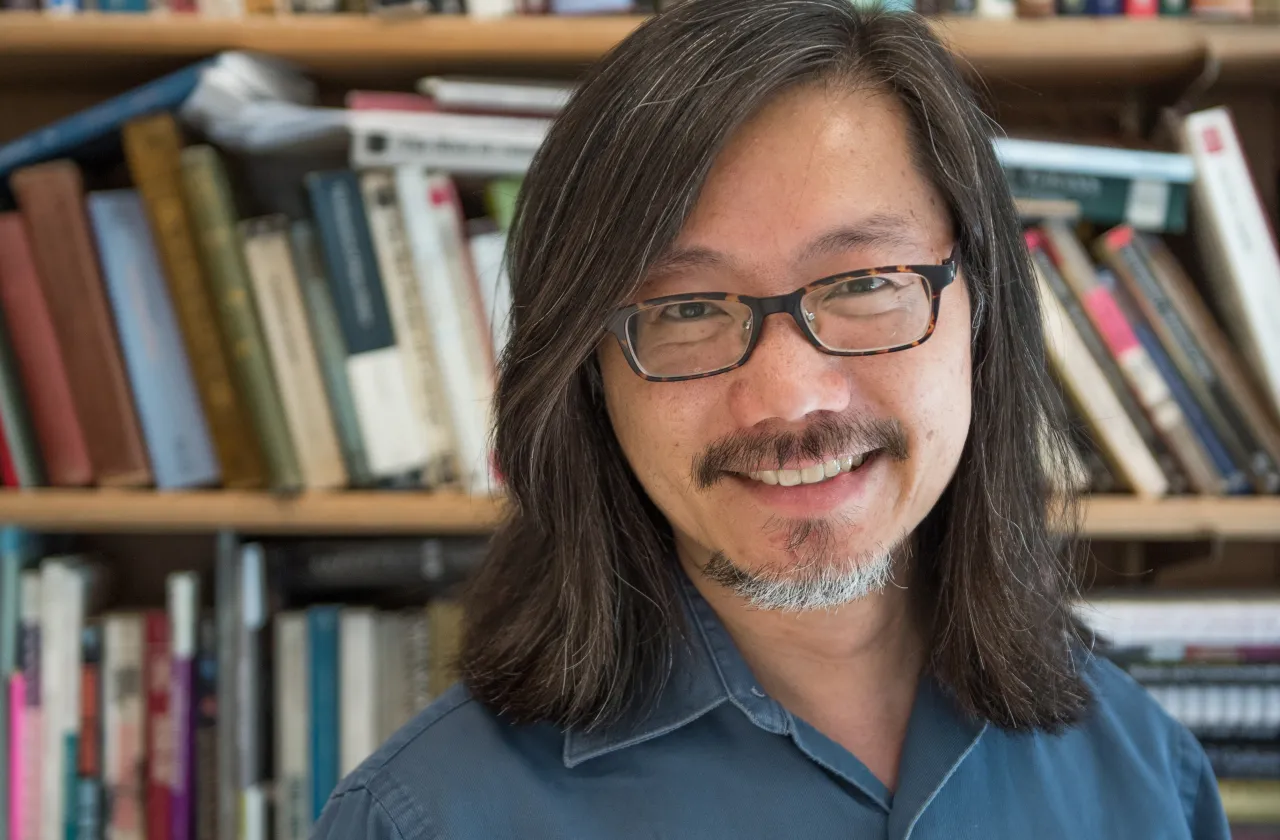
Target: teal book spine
point(322, 641)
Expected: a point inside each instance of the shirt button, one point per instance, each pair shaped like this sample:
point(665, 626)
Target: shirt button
point(757, 692)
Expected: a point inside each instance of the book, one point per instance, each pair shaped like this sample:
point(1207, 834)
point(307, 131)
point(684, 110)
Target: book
point(292, 350)
point(1241, 262)
point(51, 198)
point(394, 440)
point(214, 219)
point(41, 368)
point(183, 596)
point(124, 723)
point(173, 423)
point(22, 450)
point(152, 148)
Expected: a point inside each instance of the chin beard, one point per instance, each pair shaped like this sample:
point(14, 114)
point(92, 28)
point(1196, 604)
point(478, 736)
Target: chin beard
point(826, 576)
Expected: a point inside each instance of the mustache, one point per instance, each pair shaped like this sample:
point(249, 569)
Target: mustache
point(827, 436)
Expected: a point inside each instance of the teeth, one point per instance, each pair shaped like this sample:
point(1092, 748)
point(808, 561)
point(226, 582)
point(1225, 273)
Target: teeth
point(789, 478)
point(812, 474)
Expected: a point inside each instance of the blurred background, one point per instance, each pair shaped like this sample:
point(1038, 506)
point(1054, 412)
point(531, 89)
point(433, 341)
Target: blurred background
point(252, 302)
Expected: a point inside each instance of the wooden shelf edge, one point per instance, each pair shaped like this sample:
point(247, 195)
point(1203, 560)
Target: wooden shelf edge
point(364, 512)
point(1115, 49)
point(407, 512)
point(1182, 518)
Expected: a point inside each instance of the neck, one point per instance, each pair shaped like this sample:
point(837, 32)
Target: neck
point(851, 671)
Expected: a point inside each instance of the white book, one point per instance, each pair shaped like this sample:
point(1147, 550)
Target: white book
point(423, 387)
point(253, 607)
point(61, 621)
point(1161, 621)
point(393, 674)
point(1080, 373)
point(461, 93)
point(292, 351)
point(430, 218)
point(490, 8)
point(459, 143)
point(488, 255)
point(1244, 268)
point(292, 727)
point(358, 704)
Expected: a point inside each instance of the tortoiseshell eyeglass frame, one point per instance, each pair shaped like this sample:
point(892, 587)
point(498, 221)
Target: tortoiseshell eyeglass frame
point(937, 276)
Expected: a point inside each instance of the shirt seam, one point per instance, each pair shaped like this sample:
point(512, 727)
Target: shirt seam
point(924, 806)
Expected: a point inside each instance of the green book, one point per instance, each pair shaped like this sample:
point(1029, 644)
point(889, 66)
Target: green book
point(500, 200)
point(207, 191)
point(330, 349)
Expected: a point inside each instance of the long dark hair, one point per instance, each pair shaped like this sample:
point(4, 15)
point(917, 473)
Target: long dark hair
point(575, 615)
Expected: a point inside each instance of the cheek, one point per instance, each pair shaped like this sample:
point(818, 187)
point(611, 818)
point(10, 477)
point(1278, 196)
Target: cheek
point(651, 421)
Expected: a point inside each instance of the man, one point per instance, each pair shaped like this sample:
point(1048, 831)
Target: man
point(779, 561)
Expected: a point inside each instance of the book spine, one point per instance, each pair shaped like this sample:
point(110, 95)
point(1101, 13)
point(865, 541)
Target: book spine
point(152, 147)
point(213, 216)
point(206, 708)
point(51, 197)
point(89, 800)
point(227, 598)
point(30, 770)
point(252, 743)
point(452, 327)
point(14, 756)
point(292, 351)
point(1130, 262)
point(1147, 204)
point(292, 731)
point(1246, 276)
point(62, 137)
point(330, 349)
point(326, 685)
point(41, 367)
point(394, 442)
point(168, 405)
point(160, 726)
point(1150, 388)
point(358, 653)
point(409, 319)
point(183, 597)
point(418, 644)
point(124, 725)
point(19, 436)
point(14, 555)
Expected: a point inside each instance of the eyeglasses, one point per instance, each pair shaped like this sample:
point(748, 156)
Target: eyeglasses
point(867, 312)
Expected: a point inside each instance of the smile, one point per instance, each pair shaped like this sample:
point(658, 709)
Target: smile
point(812, 474)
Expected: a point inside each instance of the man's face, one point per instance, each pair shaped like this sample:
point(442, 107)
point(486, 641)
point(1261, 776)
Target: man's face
point(811, 164)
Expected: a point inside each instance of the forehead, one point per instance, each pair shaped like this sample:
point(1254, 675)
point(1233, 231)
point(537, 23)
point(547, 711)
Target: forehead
point(814, 162)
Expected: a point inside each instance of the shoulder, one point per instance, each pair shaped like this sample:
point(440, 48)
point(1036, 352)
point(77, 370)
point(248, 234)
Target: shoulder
point(440, 772)
point(1130, 733)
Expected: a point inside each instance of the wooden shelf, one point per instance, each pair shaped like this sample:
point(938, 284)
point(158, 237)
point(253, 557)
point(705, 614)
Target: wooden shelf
point(347, 48)
point(394, 512)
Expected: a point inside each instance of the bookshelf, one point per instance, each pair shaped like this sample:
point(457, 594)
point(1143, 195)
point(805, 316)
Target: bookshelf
point(407, 512)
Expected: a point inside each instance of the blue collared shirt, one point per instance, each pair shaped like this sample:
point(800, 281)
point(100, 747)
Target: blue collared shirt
point(720, 759)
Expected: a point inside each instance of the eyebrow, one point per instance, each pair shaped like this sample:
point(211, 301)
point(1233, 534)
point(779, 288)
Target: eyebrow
point(884, 230)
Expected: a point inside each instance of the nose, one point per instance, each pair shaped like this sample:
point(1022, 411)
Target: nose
point(787, 378)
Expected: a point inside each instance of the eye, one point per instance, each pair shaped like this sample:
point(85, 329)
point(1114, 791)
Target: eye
point(690, 310)
point(859, 286)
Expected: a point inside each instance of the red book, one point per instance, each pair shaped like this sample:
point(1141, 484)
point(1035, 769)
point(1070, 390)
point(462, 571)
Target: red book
point(160, 732)
point(8, 475)
point(40, 364)
point(1141, 8)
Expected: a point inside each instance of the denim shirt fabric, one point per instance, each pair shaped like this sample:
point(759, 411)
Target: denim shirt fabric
point(717, 758)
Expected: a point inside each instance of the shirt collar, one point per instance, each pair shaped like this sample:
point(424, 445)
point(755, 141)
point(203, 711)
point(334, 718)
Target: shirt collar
point(707, 670)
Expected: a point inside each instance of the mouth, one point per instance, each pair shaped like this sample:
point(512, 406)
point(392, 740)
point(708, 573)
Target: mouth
point(816, 473)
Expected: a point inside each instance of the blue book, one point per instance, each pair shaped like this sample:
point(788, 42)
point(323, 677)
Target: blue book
point(66, 135)
point(164, 389)
point(126, 6)
point(322, 643)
